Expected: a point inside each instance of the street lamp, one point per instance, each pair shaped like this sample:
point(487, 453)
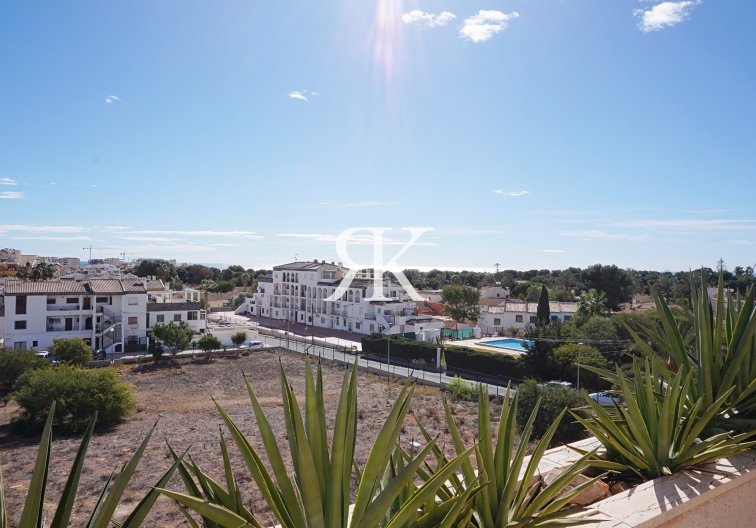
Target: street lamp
point(578, 366)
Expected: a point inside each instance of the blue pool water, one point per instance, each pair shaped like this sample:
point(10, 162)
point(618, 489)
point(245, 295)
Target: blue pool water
point(509, 343)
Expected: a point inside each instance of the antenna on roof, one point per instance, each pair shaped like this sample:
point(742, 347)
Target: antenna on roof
point(497, 267)
point(296, 257)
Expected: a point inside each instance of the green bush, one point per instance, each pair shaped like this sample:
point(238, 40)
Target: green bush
point(15, 363)
point(553, 401)
point(461, 389)
point(401, 348)
point(79, 393)
point(489, 364)
point(73, 351)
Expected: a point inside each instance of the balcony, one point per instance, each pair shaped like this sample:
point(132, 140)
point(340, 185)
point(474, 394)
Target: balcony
point(63, 307)
point(62, 328)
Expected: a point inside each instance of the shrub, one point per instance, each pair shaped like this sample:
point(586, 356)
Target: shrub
point(402, 348)
point(73, 351)
point(486, 364)
point(570, 355)
point(239, 338)
point(79, 394)
point(13, 364)
point(461, 389)
point(207, 343)
point(554, 400)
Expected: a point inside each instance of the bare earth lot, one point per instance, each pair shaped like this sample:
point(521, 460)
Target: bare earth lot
point(180, 400)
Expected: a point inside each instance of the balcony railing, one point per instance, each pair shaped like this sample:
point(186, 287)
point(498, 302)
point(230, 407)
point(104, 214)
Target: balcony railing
point(63, 307)
point(62, 328)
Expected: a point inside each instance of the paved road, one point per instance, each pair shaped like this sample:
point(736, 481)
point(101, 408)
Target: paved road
point(433, 378)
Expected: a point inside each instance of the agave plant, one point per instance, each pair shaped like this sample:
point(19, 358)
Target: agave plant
point(101, 516)
point(721, 356)
point(658, 429)
point(320, 492)
point(514, 494)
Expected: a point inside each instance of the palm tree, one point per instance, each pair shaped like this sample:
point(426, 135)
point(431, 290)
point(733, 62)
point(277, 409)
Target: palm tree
point(592, 303)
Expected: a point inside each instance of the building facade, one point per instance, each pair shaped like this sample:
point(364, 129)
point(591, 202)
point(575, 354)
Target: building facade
point(519, 314)
point(299, 292)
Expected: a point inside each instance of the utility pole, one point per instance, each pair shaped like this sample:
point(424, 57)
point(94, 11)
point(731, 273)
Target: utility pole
point(497, 267)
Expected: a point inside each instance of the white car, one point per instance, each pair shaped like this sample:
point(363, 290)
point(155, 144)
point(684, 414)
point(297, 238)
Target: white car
point(605, 398)
point(252, 344)
point(555, 383)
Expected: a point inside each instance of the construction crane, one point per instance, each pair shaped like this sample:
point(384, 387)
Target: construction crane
point(90, 248)
point(123, 256)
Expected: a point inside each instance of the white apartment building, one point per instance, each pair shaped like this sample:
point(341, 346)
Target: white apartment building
point(298, 292)
point(166, 306)
point(114, 315)
point(519, 314)
point(108, 314)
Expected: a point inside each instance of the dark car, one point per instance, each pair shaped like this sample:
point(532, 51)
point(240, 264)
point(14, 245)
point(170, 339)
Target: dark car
point(98, 355)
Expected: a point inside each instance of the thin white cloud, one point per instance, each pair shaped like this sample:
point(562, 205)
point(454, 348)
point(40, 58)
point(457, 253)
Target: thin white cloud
point(595, 234)
point(12, 195)
point(8, 181)
point(510, 193)
point(716, 224)
point(352, 205)
point(51, 238)
point(553, 251)
point(251, 235)
point(366, 239)
point(147, 238)
point(474, 231)
point(741, 242)
point(112, 99)
point(485, 24)
point(25, 228)
point(665, 14)
point(297, 94)
point(428, 20)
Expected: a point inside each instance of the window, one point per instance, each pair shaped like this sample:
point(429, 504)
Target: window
point(19, 345)
point(72, 300)
point(51, 300)
point(202, 314)
point(19, 325)
point(103, 300)
point(133, 300)
point(497, 321)
point(133, 320)
point(191, 316)
point(533, 319)
point(160, 318)
point(21, 306)
point(518, 318)
point(35, 344)
point(177, 317)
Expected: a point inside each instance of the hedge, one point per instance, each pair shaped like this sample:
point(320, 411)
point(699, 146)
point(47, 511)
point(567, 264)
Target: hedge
point(478, 364)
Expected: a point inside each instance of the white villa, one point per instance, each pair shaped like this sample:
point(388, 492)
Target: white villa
point(519, 314)
point(109, 314)
point(298, 292)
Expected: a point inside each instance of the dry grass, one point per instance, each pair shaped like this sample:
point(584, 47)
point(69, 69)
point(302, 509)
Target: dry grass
point(180, 400)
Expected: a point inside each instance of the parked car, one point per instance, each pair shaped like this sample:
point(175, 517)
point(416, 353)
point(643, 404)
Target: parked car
point(44, 354)
point(252, 344)
point(98, 355)
point(224, 323)
point(605, 398)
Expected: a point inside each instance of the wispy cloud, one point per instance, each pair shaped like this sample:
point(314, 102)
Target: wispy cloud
point(51, 238)
point(25, 228)
point(473, 231)
point(147, 238)
point(302, 95)
point(112, 99)
point(741, 242)
point(688, 224)
point(251, 235)
point(510, 193)
point(352, 205)
point(485, 24)
point(595, 234)
point(665, 14)
point(428, 20)
point(356, 239)
point(8, 181)
point(12, 195)
point(553, 251)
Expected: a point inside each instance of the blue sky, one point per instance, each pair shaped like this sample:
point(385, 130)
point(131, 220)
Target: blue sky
point(533, 133)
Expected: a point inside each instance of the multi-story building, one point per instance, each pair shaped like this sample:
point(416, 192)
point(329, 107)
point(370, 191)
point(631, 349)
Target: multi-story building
point(114, 315)
point(300, 291)
point(166, 306)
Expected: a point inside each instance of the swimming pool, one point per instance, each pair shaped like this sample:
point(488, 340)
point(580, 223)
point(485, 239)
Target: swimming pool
point(509, 343)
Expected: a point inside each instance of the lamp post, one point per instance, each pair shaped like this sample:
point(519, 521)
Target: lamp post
point(578, 366)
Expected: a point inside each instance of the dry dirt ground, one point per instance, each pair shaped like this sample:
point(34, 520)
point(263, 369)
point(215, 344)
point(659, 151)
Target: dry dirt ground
point(179, 399)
